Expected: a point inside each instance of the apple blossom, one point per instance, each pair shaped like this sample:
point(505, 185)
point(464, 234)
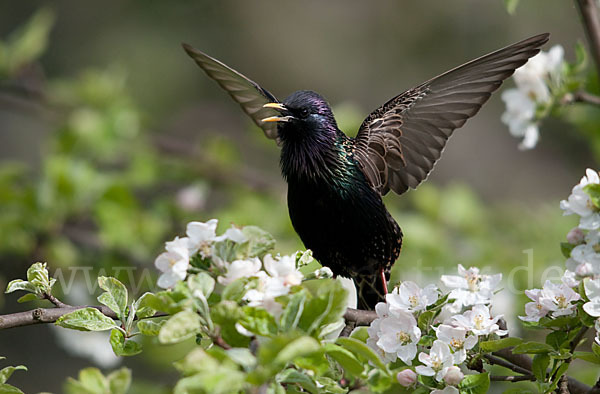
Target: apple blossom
point(471, 288)
point(201, 236)
point(479, 321)
point(457, 339)
point(580, 203)
point(407, 377)
point(558, 299)
point(411, 298)
point(437, 362)
point(592, 291)
point(453, 376)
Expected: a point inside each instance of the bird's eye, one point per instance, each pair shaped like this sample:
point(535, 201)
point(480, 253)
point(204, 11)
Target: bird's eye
point(304, 112)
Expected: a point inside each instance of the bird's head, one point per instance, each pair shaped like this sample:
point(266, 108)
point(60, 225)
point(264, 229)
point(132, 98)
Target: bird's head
point(303, 114)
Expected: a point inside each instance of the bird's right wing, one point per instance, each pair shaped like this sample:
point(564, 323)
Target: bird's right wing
point(247, 93)
point(398, 143)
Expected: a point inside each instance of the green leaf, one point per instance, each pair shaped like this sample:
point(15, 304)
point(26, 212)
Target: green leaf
point(361, 350)
point(296, 348)
point(27, 298)
point(379, 381)
point(326, 307)
point(123, 347)
point(360, 333)
point(475, 384)
point(119, 381)
point(495, 345)
point(115, 296)
point(559, 373)
point(345, 358)
point(532, 348)
point(201, 282)
point(566, 249)
point(259, 321)
point(293, 311)
point(181, 326)
point(30, 41)
point(242, 357)
point(590, 357)
point(292, 376)
point(86, 319)
point(150, 328)
point(235, 290)
point(38, 276)
point(9, 389)
point(511, 6)
point(6, 373)
point(425, 320)
point(540, 365)
point(227, 314)
point(91, 381)
point(556, 339)
point(593, 190)
point(19, 284)
point(143, 312)
point(259, 241)
point(596, 349)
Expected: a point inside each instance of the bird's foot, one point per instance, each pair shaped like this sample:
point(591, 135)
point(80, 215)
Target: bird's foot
point(383, 281)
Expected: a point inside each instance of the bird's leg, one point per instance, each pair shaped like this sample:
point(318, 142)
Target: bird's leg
point(382, 276)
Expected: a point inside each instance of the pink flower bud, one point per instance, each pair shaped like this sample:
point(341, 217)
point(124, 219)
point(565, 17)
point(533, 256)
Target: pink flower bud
point(407, 377)
point(453, 376)
point(575, 236)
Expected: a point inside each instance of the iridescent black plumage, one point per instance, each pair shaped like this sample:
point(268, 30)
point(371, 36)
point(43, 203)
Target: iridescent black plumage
point(335, 183)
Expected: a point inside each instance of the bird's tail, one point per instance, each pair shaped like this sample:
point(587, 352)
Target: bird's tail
point(370, 289)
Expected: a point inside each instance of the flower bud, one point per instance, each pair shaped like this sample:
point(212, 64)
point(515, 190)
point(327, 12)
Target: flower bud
point(575, 236)
point(453, 376)
point(407, 377)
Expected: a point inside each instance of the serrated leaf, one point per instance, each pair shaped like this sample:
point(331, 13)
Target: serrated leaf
point(27, 298)
point(258, 321)
point(119, 381)
point(532, 348)
point(345, 358)
point(540, 365)
point(123, 347)
point(150, 328)
point(19, 284)
point(181, 326)
point(361, 350)
point(475, 384)
point(201, 282)
point(86, 319)
point(6, 372)
point(495, 345)
point(115, 296)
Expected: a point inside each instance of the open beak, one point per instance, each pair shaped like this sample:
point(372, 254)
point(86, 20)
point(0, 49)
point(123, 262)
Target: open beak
point(278, 107)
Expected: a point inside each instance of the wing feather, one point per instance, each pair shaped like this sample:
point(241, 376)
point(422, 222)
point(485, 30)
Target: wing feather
point(247, 93)
point(399, 143)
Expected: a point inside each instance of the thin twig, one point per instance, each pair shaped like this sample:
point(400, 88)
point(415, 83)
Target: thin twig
point(511, 378)
point(506, 364)
point(578, 338)
point(581, 97)
point(56, 301)
point(591, 23)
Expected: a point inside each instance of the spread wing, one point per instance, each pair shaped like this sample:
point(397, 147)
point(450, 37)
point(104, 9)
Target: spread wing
point(246, 92)
point(398, 144)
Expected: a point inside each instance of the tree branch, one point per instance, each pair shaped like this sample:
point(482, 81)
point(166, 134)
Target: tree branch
point(581, 97)
point(591, 22)
point(511, 378)
point(56, 301)
point(359, 317)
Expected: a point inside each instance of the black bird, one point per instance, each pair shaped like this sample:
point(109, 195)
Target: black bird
point(336, 183)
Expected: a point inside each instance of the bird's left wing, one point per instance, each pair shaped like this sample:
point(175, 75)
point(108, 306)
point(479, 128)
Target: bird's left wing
point(248, 94)
point(398, 144)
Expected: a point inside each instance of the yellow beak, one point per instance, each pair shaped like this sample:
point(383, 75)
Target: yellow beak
point(278, 107)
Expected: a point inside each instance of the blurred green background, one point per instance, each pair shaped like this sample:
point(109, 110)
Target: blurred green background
point(111, 140)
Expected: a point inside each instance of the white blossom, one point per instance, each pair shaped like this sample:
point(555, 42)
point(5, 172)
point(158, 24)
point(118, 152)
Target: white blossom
point(579, 202)
point(411, 298)
point(569, 278)
point(407, 377)
point(471, 288)
point(437, 362)
point(399, 334)
point(533, 81)
point(240, 269)
point(479, 321)
point(592, 291)
point(453, 376)
point(446, 390)
point(575, 236)
point(534, 311)
point(283, 268)
point(457, 339)
point(558, 298)
point(268, 288)
point(597, 327)
point(234, 234)
point(382, 310)
point(201, 236)
point(173, 263)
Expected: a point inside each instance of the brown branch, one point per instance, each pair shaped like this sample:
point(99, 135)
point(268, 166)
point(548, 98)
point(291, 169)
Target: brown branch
point(493, 360)
point(511, 378)
point(50, 315)
point(359, 317)
point(591, 23)
point(563, 386)
point(580, 97)
point(56, 301)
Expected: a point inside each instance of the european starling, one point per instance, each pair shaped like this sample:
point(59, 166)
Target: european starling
point(336, 183)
